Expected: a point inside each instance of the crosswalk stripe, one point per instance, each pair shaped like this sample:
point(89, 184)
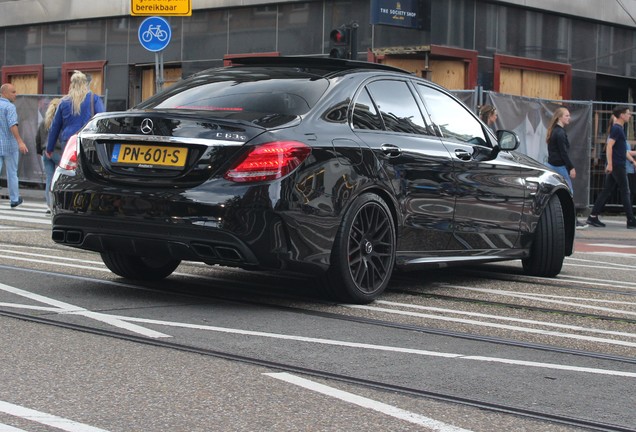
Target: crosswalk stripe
point(28, 213)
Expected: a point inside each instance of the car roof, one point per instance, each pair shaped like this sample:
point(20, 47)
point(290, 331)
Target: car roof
point(316, 65)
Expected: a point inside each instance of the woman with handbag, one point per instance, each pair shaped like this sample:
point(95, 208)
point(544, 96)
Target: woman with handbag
point(74, 111)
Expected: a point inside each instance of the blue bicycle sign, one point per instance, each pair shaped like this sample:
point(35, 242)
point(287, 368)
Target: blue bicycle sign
point(154, 33)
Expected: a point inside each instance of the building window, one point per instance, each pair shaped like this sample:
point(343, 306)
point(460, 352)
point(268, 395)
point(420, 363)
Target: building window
point(606, 46)
point(497, 28)
point(93, 70)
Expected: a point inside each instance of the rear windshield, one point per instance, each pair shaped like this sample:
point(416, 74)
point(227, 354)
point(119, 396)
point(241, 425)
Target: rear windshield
point(239, 92)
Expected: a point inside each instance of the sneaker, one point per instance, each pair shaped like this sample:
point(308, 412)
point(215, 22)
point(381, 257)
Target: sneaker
point(631, 224)
point(580, 225)
point(48, 213)
point(16, 203)
point(593, 220)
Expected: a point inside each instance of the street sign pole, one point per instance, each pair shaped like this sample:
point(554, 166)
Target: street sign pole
point(159, 70)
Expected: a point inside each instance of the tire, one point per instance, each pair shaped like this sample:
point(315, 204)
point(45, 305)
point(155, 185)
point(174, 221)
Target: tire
point(548, 247)
point(363, 254)
point(139, 268)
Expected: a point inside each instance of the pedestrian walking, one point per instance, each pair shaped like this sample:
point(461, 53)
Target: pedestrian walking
point(488, 114)
point(41, 141)
point(558, 149)
point(631, 174)
point(616, 175)
point(11, 144)
point(74, 111)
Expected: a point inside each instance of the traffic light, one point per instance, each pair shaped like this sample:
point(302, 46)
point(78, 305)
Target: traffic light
point(344, 41)
point(340, 43)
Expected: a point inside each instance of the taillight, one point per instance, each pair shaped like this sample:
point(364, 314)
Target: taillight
point(269, 161)
point(69, 156)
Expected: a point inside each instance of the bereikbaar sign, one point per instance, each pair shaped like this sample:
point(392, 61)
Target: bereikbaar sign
point(161, 7)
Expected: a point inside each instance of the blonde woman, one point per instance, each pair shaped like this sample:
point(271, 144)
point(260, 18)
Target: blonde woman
point(41, 140)
point(74, 111)
point(558, 148)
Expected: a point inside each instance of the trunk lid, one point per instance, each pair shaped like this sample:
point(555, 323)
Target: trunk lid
point(165, 148)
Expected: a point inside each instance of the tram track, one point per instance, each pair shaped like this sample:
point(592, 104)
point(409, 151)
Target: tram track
point(560, 282)
point(546, 310)
point(282, 293)
point(372, 384)
point(238, 292)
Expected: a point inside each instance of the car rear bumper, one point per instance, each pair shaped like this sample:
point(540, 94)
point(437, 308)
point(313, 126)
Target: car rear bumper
point(203, 244)
point(176, 225)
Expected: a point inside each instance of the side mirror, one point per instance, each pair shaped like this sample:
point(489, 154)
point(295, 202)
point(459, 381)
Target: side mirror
point(508, 140)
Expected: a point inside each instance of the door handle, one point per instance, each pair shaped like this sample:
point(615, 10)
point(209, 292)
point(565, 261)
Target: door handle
point(391, 150)
point(463, 155)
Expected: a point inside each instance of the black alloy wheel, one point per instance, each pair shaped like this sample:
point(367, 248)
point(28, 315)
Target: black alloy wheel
point(364, 251)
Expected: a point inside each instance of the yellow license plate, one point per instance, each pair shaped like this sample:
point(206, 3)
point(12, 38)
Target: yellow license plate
point(147, 156)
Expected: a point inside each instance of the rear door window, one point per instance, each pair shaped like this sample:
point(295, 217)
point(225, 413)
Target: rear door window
point(365, 114)
point(397, 106)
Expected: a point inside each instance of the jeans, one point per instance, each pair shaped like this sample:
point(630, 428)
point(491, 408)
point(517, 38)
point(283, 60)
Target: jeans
point(10, 161)
point(49, 169)
point(563, 171)
point(617, 178)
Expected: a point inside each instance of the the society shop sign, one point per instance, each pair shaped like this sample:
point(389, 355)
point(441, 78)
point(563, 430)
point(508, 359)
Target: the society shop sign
point(404, 13)
point(154, 34)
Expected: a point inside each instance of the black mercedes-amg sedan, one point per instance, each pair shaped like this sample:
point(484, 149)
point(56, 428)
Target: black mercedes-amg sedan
point(340, 169)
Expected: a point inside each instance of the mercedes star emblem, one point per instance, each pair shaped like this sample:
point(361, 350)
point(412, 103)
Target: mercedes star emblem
point(146, 126)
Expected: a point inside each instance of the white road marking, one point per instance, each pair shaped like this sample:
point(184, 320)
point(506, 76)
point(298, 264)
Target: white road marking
point(494, 325)
point(596, 267)
point(611, 254)
point(6, 228)
point(367, 403)
point(596, 263)
point(604, 282)
point(7, 428)
point(60, 264)
point(333, 342)
point(500, 317)
point(31, 254)
point(611, 245)
point(583, 299)
point(45, 419)
point(44, 220)
point(585, 281)
point(531, 296)
point(117, 320)
point(67, 308)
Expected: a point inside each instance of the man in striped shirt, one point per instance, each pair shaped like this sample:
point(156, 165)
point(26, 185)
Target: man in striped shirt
point(11, 144)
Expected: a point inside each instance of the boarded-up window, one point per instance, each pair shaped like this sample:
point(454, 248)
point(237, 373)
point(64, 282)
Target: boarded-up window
point(414, 65)
point(25, 84)
point(94, 71)
point(96, 81)
point(532, 78)
point(448, 73)
point(148, 81)
point(27, 79)
point(530, 83)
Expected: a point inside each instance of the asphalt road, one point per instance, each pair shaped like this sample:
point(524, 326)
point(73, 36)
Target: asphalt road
point(223, 349)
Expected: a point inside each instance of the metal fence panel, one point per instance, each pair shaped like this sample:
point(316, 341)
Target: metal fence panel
point(528, 117)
